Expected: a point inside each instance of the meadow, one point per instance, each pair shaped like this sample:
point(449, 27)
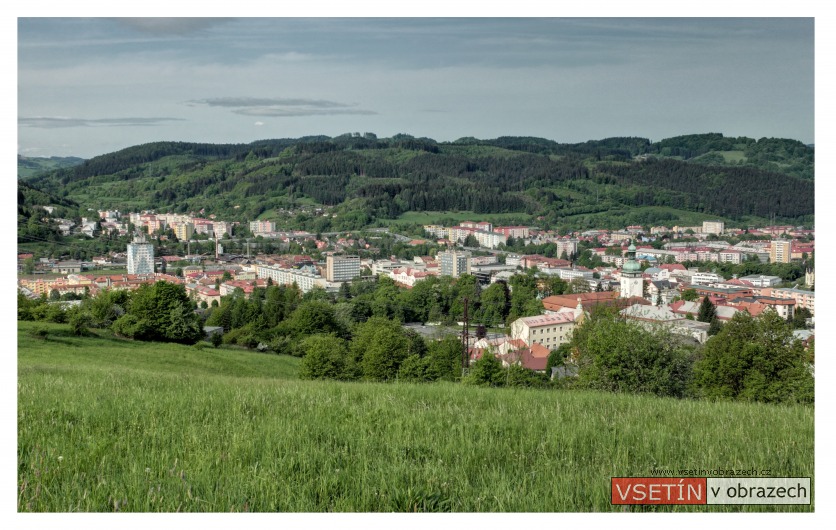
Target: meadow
point(434, 217)
point(106, 424)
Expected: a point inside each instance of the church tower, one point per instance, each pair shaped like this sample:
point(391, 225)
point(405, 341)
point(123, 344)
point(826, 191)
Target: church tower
point(632, 283)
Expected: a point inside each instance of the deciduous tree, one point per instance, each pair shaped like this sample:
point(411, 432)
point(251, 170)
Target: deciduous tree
point(754, 359)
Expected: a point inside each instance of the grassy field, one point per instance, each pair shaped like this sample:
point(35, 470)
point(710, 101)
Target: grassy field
point(733, 156)
point(433, 217)
point(674, 215)
point(111, 425)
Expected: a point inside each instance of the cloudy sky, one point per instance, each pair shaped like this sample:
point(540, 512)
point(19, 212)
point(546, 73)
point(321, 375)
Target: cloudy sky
point(89, 86)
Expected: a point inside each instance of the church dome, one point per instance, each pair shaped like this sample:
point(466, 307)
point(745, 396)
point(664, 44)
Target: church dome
point(631, 265)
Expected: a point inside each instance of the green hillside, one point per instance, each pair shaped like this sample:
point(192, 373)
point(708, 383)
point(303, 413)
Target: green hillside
point(29, 166)
point(362, 180)
point(110, 425)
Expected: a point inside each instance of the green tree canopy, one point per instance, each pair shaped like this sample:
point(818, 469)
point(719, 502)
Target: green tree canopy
point(160, 312)
point(621, 356)
point(325, 357)
point(754, 359)
point(378, 347)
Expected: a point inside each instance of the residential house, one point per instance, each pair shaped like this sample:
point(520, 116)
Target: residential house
point(548, 330)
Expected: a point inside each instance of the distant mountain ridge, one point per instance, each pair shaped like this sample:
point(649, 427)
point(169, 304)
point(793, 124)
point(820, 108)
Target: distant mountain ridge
point(28, 166)
point(364, 179)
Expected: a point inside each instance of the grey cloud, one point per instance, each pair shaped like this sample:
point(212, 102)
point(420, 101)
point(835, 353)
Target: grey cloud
point(46, 122)
point(238, 102)
point(283, 107)
point(275, 112)
point(171, 26)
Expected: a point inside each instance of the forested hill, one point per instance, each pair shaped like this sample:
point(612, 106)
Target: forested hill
point(28, 166)
point(364, 179)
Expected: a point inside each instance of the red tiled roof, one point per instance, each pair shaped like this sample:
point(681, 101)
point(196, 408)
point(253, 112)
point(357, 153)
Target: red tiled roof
point(528, 360)
point(538, 350)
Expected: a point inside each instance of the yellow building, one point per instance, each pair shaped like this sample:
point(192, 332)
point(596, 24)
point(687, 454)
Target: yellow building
point(183, 231)
point(780, 251)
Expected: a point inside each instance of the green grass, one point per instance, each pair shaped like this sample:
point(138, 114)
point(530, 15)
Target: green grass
point(637, 213)
point(733, 156)
point(433, 217)
point(112, 425)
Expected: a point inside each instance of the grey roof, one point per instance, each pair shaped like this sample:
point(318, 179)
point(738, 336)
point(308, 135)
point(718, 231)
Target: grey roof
point(803, 334)
point(649, 312)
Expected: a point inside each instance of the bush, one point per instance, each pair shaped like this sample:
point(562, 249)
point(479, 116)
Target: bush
point(79, 322)
point(486, 371)
point(415, 369)
point(621, 356)
point(39, 332)
point(519, 376)
point(325, 357)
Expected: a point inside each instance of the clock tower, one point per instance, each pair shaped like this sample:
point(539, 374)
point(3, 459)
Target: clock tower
point(632, 283)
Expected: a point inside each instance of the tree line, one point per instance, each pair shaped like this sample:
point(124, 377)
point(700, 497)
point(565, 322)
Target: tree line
point(358, 334)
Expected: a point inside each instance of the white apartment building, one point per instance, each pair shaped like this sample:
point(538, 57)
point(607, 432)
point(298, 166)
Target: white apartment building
point(706, 278)
point(304, 280)
point(140, 256)
point(569, 246)
point(569, 274)
point(547, 330)
point(220, 228)
point(490, 239)
point(730, 256)
point(759, 280)
point(713, 227)
point(436, 231)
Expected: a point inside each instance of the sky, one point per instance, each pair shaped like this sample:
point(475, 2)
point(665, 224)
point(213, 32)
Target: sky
point(90, 86)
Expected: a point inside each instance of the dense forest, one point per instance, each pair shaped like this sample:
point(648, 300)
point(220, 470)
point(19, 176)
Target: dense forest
point(364, 180)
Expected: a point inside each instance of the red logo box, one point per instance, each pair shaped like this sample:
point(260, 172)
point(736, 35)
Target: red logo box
point(656, 490)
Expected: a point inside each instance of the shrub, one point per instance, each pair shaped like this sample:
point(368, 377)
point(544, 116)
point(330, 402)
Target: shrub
point(325, 357)
point(486, 371)
point(415, 369)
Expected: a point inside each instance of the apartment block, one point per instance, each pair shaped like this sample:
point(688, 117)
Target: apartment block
point(713, 227)
point(342, 268)
point(454, 263)
point(140, 256)
point(780, 251)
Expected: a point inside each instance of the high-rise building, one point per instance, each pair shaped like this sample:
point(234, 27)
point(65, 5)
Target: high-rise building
point(140, 256)
point(341, 268)
point(780, 251)
point(454, 263)
point(183, 231)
